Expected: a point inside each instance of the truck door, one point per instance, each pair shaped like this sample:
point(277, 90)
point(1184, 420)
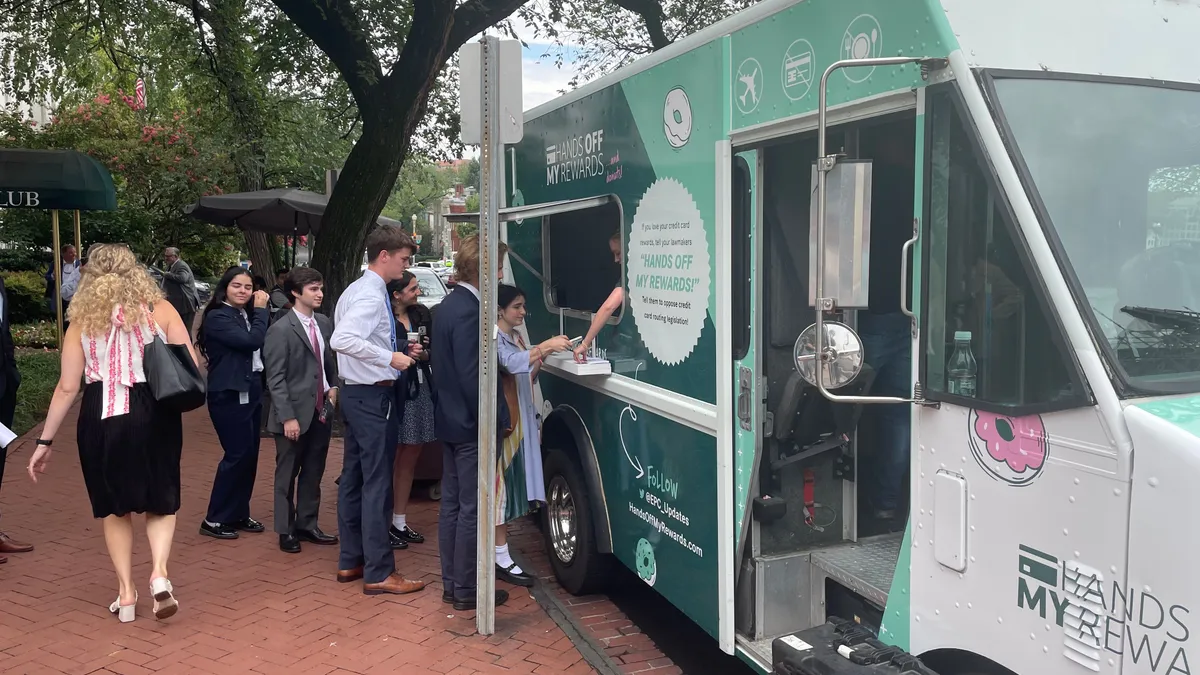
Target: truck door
point(744, 293)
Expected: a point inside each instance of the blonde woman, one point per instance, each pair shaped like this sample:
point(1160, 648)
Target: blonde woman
point(129, 445)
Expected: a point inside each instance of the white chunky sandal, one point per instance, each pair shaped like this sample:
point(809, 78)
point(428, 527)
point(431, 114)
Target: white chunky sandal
point(125, 613)
point(165, 604)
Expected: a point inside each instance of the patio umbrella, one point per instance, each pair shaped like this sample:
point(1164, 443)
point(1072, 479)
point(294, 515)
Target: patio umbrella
point(55, 180)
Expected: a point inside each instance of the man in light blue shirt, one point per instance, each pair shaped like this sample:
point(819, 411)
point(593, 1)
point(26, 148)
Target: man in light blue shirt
point(370, 362)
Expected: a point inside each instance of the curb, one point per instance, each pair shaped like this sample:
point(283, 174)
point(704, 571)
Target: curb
point(591, 650)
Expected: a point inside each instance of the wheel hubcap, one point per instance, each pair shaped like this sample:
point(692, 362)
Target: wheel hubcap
point(561, 512)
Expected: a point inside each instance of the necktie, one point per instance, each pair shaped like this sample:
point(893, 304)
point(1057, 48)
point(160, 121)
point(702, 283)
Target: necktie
point(316, 347)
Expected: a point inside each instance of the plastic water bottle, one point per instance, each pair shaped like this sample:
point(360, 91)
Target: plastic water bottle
point(962, 366)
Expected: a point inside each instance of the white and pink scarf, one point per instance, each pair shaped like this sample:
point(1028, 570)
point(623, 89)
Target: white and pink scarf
point(116, 362)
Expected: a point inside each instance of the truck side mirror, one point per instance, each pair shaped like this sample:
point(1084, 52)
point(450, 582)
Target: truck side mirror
point(847, 234)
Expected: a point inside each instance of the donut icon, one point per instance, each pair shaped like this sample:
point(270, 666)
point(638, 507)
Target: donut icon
point(677, 117)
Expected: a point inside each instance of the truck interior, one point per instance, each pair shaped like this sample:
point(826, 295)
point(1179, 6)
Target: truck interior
point(813, 507)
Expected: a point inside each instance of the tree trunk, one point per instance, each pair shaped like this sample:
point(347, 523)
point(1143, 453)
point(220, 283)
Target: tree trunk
point(363, 188)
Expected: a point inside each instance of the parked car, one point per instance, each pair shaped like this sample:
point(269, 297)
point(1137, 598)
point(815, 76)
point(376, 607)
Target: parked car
point(433, 290)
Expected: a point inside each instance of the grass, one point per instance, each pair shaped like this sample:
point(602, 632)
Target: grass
point(39, 375)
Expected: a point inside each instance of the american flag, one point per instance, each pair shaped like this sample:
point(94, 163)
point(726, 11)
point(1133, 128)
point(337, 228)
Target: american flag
point(140, 92)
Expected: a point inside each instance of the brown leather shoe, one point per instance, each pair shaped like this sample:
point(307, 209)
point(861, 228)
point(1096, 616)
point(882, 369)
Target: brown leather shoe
point(10, 545)
point(348, 576)
point(394, 584)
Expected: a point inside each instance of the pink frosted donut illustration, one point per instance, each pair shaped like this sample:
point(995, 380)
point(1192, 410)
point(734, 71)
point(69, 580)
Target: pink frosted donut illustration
point(1011, 449)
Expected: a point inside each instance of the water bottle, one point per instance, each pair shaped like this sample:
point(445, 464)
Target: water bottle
point(962, 367)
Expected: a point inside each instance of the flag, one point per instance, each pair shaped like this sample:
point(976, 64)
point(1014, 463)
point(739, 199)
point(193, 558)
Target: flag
point(140, 92)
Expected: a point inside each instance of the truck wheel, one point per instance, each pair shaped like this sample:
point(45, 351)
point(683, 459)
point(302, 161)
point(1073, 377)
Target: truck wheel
point(567, 528)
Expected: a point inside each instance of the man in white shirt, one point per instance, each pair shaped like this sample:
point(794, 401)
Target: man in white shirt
point(301, 373)
point(70, 281)
point(370, 362)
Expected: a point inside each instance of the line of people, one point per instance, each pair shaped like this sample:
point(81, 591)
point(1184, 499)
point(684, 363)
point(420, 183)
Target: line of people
point(400, 379)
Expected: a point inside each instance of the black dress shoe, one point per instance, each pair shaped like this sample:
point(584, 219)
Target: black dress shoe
point(218, 531)
point(515, 578)
point(448, 597)
point(398, 543)
point(407, 534)
point(316, 536)
point(463, 605)
point(289, 543)
point(249, 525)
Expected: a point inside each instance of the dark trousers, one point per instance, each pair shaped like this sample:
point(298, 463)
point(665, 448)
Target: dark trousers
point(365, 488)
point(189, 320)
point(237, 428)
point(8, 409)
point(458, 522)
point(299, 467)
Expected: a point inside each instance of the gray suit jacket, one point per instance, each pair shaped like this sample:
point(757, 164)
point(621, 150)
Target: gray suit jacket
point(291, 370)
point(179, 285)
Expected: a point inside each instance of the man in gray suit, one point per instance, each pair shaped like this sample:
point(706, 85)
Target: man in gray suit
point(301, 373)
point(179, 285)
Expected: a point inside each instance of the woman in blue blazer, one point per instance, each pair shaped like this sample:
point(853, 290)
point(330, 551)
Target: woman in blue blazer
point(232, 331)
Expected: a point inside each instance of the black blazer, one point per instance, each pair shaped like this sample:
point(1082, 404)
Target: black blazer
point(230, 347)
point(420, 317)
point(454, 353)
point(8, 363)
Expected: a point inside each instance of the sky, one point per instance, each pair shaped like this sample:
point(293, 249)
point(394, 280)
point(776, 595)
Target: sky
point(542, 78)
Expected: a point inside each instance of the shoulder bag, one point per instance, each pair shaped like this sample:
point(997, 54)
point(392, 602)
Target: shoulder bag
point(173, 377)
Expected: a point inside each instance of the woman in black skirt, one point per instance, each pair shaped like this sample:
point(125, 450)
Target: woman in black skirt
point(129, 445)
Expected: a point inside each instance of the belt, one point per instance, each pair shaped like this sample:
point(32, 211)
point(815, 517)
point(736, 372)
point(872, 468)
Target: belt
point(381, 383)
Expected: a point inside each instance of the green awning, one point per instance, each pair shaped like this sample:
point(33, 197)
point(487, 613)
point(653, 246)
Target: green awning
point(54, 179)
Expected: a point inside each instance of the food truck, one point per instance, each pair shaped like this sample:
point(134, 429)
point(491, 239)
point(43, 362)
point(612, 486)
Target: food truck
point(1004, 222)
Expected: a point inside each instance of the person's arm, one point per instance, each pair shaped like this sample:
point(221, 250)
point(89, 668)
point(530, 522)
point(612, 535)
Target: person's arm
point(280, 299)
point(610, 306)
point(70, 376)
point(351, 331)
point(464, 343)
point(228, 328)
point(180, 273)
point(177, 334)
point(275, 358)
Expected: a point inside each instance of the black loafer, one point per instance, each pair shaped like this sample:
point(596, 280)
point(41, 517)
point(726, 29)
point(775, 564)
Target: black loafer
point(218, 531)
point(289, 543)
point(463, 605)
point(398, 544)
point(448, 597)
point(515, 578)
point(316, 536)
point(249, 525)
point(407, 535)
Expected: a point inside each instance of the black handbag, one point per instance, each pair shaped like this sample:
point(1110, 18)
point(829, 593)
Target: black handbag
point(174, 379)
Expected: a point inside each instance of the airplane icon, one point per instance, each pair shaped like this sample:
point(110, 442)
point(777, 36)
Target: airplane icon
point(751, 89)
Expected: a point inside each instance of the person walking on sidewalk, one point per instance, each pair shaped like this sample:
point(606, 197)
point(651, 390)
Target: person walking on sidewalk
point(179, 285)
point(232, 331)
point(302, 379)
point(10, 380)
point(370, 360)
point(455, 351)
point(414, 322)
point(129, 444)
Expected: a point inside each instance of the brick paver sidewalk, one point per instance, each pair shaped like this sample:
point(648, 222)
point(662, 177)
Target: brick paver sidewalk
point(245, 606)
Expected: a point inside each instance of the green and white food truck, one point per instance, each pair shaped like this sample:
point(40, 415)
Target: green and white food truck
point(1042, 249)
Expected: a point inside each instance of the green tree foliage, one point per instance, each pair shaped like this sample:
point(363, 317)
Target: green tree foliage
point(158, 162)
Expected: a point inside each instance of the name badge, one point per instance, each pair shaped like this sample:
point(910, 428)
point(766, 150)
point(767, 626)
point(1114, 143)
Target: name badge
point(244, 398)
point(420, 376)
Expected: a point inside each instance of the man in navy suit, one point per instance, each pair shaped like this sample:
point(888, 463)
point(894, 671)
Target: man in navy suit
point(10, 379)
point(455, 358)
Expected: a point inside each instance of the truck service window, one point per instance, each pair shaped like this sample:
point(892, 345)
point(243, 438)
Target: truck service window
point(578, 261)
point(979, 286)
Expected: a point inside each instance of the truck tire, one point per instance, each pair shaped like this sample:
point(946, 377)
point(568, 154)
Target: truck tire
point(567, 528)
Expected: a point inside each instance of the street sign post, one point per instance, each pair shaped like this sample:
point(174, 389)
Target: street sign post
point(490, 100)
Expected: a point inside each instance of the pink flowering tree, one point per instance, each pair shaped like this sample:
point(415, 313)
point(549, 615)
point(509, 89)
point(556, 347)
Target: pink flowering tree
point(159, 162)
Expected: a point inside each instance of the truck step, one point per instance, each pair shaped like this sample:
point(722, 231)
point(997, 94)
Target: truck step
point(865, 567)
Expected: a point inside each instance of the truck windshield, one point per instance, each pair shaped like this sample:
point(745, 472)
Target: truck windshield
point(1117, 168)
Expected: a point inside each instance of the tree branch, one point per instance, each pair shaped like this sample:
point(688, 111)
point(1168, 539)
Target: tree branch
point(475, 16)
point(334, 26)
point(652, 15)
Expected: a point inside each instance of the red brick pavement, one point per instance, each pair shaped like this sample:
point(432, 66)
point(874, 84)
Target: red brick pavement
point(245, 606)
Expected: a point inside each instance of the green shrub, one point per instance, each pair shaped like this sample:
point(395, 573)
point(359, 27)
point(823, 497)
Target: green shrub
point(40, 335)
point(39, 375)
point(20, 258)
point(26, 297)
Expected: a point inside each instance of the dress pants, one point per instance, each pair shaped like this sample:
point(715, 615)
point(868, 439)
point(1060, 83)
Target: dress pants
point(299, 467)
point(8, 408)
point(237, 428)
point(458, 534)
point(372, 419)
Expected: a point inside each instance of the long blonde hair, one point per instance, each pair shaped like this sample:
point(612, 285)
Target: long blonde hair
point(112, 277)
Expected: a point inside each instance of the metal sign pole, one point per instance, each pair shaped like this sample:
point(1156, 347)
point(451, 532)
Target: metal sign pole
point(57, 274)
point(489, 232)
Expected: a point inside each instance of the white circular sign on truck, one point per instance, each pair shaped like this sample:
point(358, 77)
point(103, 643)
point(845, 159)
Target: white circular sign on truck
point(669, 270)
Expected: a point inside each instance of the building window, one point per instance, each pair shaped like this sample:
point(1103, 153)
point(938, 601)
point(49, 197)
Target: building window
point(581, 250)
point(979, 282)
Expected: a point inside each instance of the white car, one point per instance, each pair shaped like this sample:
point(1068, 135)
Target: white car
point(433, 289)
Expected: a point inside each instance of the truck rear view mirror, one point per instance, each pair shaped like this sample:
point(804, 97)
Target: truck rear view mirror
point(847, 234)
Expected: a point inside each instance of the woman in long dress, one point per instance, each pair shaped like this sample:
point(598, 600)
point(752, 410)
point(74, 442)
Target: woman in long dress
point(519, 480)
point(129, 445)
